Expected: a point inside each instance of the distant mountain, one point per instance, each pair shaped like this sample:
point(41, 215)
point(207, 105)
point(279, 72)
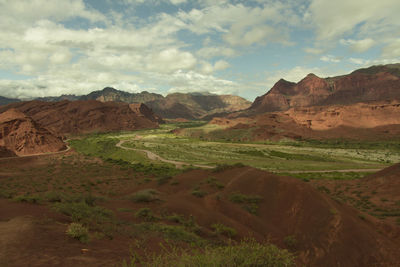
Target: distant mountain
point(110, 94)
point(21, 135)
point(6, 101)
point(376, 83)
point(196, 105)
point(72, 117)
point(177, 105)
point(59, 98)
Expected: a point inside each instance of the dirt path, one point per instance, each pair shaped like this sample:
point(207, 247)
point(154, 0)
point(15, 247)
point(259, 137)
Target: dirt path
point(153, 156)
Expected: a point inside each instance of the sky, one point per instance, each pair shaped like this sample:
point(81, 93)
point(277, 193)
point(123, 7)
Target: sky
point(49, 48)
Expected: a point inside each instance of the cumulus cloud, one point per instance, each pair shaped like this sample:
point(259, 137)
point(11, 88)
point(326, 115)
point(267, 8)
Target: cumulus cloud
point(330, 58)
point(358, 46)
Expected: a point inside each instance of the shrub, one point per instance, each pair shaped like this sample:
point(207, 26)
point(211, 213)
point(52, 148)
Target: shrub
point(163, 180)
point(290, 241)
point(146, 214)
point(221, 229)
point(223, 167)
point(198, 193)
point(246, 253)
point(249, 202)
point(78, 231)
point(147, 195)
point(34, 199)
point(83, 213)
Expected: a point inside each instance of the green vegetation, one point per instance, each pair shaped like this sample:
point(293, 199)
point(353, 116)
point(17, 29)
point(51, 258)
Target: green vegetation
point(306, 176)
point(249, 202)
point(145, 196)
point(78, 231)
point(146, 214)
point(221, 229)
point(290, 241)
point(273, 156)
point(81, 212)
point(245, 253)
point(198, 193)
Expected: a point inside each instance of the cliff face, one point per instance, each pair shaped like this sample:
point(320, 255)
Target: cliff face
point(20, 135)
point(377, 83)
point(68, 117)
point(361, 115)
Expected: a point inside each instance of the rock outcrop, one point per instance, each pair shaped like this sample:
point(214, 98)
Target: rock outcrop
point(73, 117)
point(377, 83)
point(21, 135)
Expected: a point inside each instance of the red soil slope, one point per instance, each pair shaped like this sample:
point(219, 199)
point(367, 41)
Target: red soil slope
point(327, 232)
point(85, 116)
point(382, 119)
point(21, 135)
point(376, 83)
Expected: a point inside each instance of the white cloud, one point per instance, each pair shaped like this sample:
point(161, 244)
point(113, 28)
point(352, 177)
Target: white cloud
point(210, 52)
point(313, 50)
point(359, 46)
point(196, 82)
point(330, 58)
point(392, 50)
point(243, 25)
point(336, 18)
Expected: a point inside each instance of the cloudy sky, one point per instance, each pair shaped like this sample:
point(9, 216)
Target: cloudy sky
point(220, 46)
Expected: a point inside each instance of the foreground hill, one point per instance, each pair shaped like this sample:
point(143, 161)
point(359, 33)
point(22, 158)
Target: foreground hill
point(190, 209)
point(20, 135)
point(68, 117)
point(376, 83)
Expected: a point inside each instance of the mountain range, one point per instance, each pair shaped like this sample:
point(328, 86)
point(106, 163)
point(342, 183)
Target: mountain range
point(177, 105)
point(376, 83)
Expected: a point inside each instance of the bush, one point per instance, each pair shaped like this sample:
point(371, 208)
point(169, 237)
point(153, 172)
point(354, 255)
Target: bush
point(146, 214)
point(198, 193)
point(163, 180)
point(147, 195)
point(34, 199)
point(78, 231)
point(246, 253)
point(81, 212)
point(221, 229)
point(249, 202)
point(290, 241)
point(223, 167)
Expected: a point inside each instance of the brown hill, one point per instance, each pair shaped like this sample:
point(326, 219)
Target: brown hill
point(86, 116)
point(322, 122)
point(376, 83)
point(176, 105)
point(21, 135)
point(282, 210)
point(326, 232)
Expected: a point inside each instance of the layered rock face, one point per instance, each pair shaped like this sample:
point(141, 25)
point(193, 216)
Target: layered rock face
point(68, 117)
point(377, 83)
point(20, 135)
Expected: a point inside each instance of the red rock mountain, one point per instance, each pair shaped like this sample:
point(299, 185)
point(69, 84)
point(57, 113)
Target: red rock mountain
point(74, 117)
point(376, 83)
point(20, 135)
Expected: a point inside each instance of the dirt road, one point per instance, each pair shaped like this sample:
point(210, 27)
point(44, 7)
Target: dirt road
point(153, 156)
